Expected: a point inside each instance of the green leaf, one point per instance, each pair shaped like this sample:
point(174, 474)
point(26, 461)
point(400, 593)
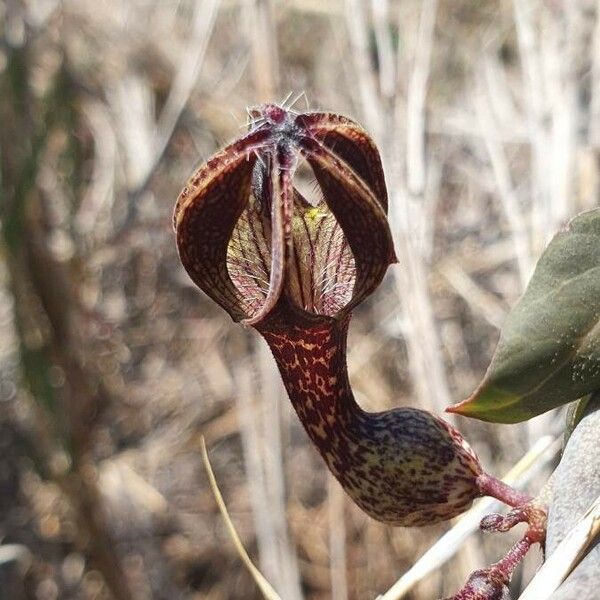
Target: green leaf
point(549, 349)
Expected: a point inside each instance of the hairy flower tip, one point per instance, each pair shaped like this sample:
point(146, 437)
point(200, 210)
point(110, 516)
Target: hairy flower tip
point(251, 241)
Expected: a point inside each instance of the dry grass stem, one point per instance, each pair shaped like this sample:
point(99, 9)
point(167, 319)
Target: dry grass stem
point(261, 582)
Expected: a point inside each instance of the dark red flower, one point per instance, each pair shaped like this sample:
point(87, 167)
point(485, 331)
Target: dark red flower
point(249, 238)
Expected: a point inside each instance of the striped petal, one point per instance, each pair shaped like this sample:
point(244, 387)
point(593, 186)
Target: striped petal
point(206, 213)
point(348, 169)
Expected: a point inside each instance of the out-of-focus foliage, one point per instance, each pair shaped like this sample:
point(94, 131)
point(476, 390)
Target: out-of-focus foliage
point(112, 364)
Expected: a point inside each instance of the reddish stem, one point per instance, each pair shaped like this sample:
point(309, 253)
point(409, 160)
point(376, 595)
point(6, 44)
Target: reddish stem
point(490, 486)
point(490, 583)
point(508, 563)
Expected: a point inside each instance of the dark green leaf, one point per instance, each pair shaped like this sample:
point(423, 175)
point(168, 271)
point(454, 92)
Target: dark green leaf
point(549, 349)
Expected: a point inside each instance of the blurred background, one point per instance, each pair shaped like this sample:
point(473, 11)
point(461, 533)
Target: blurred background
point(112, 365)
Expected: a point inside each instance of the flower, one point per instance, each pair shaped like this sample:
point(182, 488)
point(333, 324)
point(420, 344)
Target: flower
point(253, 243)
point(294, 270)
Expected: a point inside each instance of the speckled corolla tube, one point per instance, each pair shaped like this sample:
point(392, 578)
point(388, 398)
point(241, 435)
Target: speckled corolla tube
point(294, 270)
